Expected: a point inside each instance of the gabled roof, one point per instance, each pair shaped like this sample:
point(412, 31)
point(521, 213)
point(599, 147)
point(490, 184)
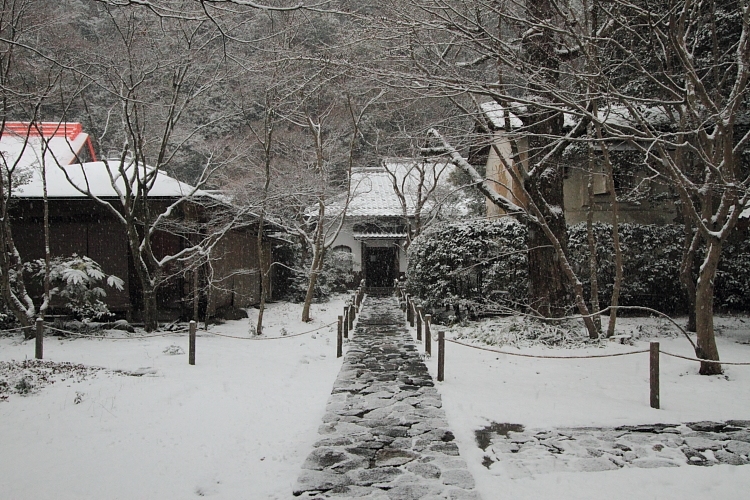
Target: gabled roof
point(95, 176)
point(373, 194)
point(24, 145)
point(614, 115)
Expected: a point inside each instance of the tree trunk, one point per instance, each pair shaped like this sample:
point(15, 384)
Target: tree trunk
point(317, 265)
point(704, 312)
point(686, 271)
point(264, 285)
point(591, 239)
point(547, 292)
point(617, 285)
point(150, 322)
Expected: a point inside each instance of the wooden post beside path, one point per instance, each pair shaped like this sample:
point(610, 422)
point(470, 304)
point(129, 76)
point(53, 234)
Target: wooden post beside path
point(441, 356)
point(654, 374)
point(408, 310)
point(346, 322)
point(427, 335)
point(191, 354)
point(39, 338)
point(339, 337)
point(419, 322)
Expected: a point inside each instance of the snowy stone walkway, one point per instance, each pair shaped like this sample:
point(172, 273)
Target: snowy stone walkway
point(384, 434)
point(514, 452)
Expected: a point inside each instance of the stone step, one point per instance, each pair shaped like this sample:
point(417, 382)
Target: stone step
point(384, 434)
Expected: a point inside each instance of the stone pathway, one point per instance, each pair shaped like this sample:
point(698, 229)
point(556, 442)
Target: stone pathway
point(514, 452)
point(384, 435)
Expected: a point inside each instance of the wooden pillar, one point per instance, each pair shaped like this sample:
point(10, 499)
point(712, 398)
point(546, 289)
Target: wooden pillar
point(654, 372)
point(191, 353)
point(419, 322)
point(39, 338)
point(427, 334)
point(441, 356)
point(340, 338)
point(346, 323)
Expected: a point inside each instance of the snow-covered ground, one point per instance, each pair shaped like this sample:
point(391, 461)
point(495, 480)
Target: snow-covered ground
point(481, 387)
point(240, 423)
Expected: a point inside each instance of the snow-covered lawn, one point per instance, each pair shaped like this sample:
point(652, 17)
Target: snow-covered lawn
point(239, 424)
point(481, 387)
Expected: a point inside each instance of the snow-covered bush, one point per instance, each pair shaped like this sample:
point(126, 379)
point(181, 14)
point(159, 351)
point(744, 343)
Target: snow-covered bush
point(732, 283)
point(76, 285)
point(335, 277)
point(477, 262)
point(651, 267)
point(470, 262)
point(651, 264)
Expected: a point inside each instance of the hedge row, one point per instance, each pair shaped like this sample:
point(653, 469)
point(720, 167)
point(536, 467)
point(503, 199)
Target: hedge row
point(485, 261)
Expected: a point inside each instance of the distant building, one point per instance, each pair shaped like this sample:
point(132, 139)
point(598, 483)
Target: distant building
point(387, 205)
point(652, 201)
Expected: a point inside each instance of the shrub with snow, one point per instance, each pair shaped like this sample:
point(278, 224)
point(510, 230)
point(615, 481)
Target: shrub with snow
point(77, 285)
point(470, 262)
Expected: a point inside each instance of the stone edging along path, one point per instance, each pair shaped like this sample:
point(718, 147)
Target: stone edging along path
point(384, 434)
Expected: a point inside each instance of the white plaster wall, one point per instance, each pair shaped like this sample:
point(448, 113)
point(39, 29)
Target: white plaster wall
point(345, 238)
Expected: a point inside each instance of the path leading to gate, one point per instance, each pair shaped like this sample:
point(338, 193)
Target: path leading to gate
point(384, 434)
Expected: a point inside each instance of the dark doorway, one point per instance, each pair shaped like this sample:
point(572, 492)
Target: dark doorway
point(380, 266)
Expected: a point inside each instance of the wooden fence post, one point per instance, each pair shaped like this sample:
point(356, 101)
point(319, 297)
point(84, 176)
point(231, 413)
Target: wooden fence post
point(419, 322)
point(408, 310)
point(427, 334)
point(654, 372)
point(191, 354)
point(351, 317)
point(441, 356)
point(339, 337)
point(346, 323)
point(39, 338)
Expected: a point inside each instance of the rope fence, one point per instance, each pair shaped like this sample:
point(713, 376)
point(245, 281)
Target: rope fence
point(415, 317)
point(543, 356)
point(345, 324)
point(272, 338)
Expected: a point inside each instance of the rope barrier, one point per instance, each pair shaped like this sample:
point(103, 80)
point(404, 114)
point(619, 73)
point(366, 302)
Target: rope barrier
point(84, 335)
point(272, 338)
point(17, 329)
point(541, 356)
point(591, 356)
point(705, 360)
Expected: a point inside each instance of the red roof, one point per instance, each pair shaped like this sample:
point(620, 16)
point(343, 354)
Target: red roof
point(45, 129)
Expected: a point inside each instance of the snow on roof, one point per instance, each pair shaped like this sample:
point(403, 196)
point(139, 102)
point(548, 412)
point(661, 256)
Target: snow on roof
point(496, 114)
point(373, 194)
point(95, 176)
point(54, 144)
point(614, 115)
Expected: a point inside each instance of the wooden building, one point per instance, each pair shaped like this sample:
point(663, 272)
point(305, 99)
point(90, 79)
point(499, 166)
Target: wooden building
point(79, 224)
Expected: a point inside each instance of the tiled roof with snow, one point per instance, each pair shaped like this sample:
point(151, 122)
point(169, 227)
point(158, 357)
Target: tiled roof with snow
point(373, 194)
point(95, 177)
point(496, 114)
point(614, 115)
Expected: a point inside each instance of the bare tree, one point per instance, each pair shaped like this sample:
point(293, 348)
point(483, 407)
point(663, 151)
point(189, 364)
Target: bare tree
point(668, 81)
point(421, 188)
point(29, 89)
point(154, 72)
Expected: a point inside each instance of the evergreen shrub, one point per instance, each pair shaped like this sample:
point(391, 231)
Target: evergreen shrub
point(470, 262)
point(480, 261)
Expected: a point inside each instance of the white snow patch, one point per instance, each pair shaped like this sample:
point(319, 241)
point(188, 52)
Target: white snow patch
point(238, 424)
